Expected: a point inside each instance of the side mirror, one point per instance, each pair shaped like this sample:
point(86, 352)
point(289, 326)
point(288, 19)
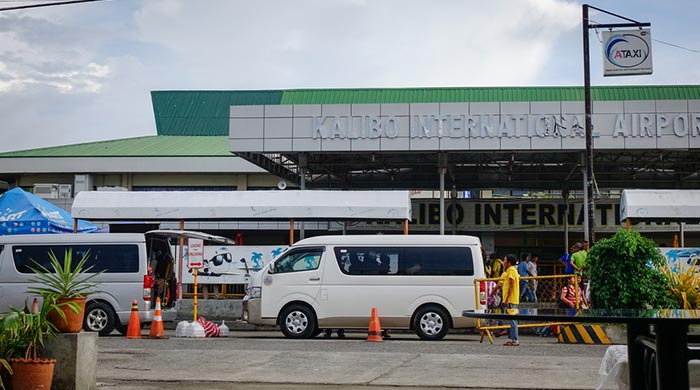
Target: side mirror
point(271, 269)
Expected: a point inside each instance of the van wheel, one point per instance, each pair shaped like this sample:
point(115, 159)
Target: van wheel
point(431, 323)
point(99, 317)
point(298, 322)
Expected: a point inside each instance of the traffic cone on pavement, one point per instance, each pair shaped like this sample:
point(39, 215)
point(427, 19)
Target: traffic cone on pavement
point(374, 333)
point(157, 331)
point(134, 329)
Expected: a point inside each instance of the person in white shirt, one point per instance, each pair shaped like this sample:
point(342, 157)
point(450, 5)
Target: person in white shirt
point(532, 270)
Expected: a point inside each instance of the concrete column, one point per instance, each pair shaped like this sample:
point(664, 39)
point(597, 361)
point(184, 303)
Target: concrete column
point(76, 360)
point(682, 234)
point(242, 182)
point(442, 169)
point(302, 184)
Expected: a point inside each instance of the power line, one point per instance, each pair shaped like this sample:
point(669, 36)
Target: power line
point(658, 41)
point(46, 4)
point(674, 45)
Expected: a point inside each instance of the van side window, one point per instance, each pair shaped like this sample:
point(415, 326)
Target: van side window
point(119, 258)
point(303, 259)
point(419, 261)
point(437, 261)
point(368, 260)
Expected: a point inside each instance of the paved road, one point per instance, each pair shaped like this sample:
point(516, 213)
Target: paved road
point(265, 360)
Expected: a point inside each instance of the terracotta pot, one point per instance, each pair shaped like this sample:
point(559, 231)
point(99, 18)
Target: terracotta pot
point(29, 374)
point(5, 377)
point(74, 321)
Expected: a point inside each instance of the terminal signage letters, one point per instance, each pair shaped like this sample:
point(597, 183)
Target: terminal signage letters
point(530, 215)
point(510, 214)
point(497, 126)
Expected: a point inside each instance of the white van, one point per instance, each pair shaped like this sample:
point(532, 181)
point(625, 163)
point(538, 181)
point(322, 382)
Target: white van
point(419, 282)
point(125, 259)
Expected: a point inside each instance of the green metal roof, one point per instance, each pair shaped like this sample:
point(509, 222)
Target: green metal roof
point(150, 146)
point(491, 94)
point(202, 112)
point(207, 112)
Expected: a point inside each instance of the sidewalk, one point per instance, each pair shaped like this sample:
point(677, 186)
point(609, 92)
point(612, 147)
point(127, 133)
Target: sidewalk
point(349, 362)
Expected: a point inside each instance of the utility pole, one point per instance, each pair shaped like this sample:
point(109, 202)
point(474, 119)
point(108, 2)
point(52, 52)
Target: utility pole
point(589, 203)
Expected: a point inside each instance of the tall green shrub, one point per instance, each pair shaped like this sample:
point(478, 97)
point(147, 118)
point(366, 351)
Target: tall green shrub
point(625, 272)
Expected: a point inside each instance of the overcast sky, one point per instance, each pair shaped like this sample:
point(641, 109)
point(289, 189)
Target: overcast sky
point(84, 72)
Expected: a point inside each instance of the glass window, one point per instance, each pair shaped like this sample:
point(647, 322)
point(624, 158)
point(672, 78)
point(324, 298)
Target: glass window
point(368, 260)
point(435, 261)
point(443, 261)
point(303, 259)
point(120, 258)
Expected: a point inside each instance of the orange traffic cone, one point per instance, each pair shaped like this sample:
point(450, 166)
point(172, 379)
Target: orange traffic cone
point(157, 331)
point(374, 333)
point(134, 329)
point(35, 306)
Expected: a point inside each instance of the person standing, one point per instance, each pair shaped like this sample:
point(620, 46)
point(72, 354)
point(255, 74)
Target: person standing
point(496, 266)
point(525, 292)
point(532, 270)
point(510, 284)
point(487, 263)
point(569, 297)
point(578, 259)
point(566, 260)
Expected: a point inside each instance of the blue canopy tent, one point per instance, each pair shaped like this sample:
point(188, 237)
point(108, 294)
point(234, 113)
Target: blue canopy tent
point(25, 213)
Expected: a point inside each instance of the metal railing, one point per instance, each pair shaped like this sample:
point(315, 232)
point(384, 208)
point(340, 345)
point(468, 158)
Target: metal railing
point(546, 290)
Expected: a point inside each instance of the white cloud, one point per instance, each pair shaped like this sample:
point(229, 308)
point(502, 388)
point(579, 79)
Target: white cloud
point(358, 44)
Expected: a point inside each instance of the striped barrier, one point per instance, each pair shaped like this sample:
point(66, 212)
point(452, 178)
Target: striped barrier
point(582, 334)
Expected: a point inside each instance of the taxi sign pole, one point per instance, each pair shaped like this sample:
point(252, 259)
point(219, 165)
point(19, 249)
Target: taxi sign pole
point(589, 202)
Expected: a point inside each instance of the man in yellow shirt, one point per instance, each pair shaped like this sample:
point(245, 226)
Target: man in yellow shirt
point(510, 285)
point(496, 266)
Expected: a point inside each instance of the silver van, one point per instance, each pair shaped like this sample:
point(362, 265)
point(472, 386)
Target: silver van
point(135, 266)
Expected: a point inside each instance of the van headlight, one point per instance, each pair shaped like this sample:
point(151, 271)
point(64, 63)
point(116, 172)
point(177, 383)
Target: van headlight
point(255, 292)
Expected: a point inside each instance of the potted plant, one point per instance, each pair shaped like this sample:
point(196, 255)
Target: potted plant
point(625, 272)
point(25, 332)
point(68, 285)
point(9, 340)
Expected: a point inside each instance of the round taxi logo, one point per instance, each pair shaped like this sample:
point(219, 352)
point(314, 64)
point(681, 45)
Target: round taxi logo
point(626, 50)
point(267, 280)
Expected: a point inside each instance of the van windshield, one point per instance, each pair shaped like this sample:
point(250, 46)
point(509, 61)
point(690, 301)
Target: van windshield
point(303, 259)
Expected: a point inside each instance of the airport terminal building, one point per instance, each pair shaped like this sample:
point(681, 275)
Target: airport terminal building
point(509, 160)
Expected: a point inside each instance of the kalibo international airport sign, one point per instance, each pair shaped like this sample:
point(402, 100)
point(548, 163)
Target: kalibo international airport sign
point(627, 52)
point(556, 125)
point(534, 215)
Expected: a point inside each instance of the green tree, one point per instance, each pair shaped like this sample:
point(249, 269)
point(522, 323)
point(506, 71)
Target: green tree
point(625, 272)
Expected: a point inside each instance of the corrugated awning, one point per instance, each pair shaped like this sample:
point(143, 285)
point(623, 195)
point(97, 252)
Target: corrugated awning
point(660, 205)
point(237, 205)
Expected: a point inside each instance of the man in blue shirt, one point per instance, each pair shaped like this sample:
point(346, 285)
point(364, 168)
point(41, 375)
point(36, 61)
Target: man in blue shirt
point(526, 294)
point(566, 259)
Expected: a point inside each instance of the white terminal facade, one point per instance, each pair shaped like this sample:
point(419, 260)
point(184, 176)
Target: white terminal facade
point(503, 155)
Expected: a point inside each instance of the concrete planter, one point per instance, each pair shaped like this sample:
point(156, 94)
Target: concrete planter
point(76, 360)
